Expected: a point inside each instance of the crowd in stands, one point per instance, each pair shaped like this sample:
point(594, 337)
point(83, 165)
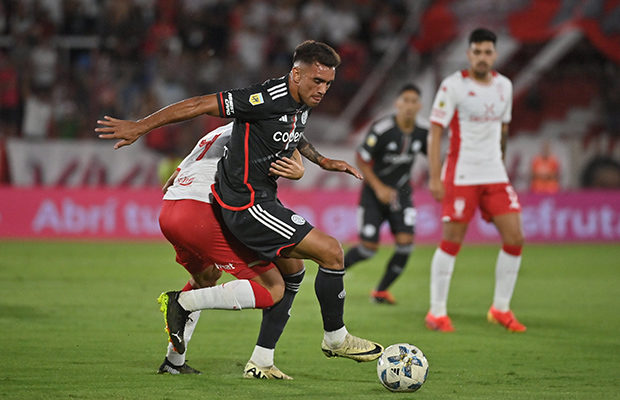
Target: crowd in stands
point(66, 63)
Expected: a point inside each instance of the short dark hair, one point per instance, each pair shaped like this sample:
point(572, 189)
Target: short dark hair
point(482, 35)
point(410, 86)
point(310, 52)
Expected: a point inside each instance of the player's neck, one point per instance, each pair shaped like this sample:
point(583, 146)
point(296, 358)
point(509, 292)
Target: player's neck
point(482, 78)
point(405, 124)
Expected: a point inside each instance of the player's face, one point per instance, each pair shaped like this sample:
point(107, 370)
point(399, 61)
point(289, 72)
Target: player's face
point(481, 57)
point(312, 81)
point(408, 104)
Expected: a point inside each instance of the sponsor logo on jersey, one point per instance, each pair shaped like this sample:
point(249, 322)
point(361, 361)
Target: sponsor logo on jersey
point(287, 136)
point(398, 158)
point(224, 267)
point(277, 91)
point(298, 219)
point(304, 117)
point(229, 107)
point(185, 180)
point(391, 146)
point(283, 119)
point(471, 94)
point(437, 113)
point(256, 99)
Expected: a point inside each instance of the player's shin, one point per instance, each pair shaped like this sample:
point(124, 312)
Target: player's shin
point(506, 272)
point(274, 321)
point(357, 254)
point(329, 289)
point(396, 266)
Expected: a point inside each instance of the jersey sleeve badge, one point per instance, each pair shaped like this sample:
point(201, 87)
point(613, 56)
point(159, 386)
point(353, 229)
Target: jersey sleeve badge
point(371, 141)
point(256, 99)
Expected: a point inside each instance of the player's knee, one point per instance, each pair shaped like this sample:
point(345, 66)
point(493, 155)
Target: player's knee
point(514, 241)
point(276, 291)
point(208, 277)
point(332, 254)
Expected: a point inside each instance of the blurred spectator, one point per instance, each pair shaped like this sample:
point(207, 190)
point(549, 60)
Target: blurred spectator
point(545, 171)
point(37, 120)
point(9, 97)
point(601, 173)
point(341, 23)
point(610, 91)
point(43, 63)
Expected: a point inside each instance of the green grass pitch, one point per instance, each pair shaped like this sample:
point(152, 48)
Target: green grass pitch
point(79, 320)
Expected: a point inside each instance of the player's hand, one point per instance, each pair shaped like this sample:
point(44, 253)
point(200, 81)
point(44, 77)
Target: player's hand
point(287, 168)
point(341, 166)
point(386, 194)
point(437, 189)
point(127, 131)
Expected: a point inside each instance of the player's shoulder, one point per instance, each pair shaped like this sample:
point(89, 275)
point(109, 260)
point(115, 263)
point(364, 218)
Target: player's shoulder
point(502, 79)
point(276, 88)
point(383, 125)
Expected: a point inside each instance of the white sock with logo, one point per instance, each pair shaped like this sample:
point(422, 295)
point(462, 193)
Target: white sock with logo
point(234, 295)
point(442, 267)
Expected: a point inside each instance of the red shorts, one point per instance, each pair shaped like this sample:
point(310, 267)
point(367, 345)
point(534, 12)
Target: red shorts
point(460, 202)
point(200, 238)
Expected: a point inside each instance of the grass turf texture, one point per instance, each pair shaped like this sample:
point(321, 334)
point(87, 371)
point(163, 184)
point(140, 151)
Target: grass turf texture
point(79, 320)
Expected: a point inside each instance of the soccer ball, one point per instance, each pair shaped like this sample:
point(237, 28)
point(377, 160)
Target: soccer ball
point(402, 368)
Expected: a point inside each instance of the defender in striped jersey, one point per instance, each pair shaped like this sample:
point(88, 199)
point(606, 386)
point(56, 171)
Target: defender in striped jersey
point(205, 248)
point(477, 106)
point(269, 122)
point(385, 158)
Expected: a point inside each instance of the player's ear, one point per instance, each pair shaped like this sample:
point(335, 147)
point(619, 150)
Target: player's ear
point(296, 74)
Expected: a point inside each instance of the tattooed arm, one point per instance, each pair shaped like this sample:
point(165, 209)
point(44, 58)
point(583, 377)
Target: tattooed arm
point(307, 150)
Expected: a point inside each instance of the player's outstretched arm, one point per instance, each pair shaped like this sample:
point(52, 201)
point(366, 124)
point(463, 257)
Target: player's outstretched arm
point(130, 131)
point(307, 150)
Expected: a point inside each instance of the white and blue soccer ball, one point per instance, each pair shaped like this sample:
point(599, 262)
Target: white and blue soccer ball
point(402, 368)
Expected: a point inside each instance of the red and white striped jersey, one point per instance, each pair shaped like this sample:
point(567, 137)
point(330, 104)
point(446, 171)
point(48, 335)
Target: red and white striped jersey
point(475, 113)
point(197, 170)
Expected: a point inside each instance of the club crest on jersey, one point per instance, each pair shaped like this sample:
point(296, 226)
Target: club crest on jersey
point(298, 219)
point(304, 117)
point(371, 141)
point(256, 99)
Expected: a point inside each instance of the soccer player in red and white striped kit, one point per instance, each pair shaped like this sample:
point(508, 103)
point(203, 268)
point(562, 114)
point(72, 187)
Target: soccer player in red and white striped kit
point(476, 104)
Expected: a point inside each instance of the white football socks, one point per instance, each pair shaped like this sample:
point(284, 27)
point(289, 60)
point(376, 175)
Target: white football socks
point(262, 356)
point(234, 295)
point(174, 357)
point(442, 267)
point(506, 272)
point(335, 338)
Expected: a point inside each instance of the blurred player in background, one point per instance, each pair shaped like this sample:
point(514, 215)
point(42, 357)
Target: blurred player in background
point(477, 105)
point(269, 122)
point(385, 160)
point(205, 248)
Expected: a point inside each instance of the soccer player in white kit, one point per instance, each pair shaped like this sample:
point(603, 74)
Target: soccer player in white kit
point(476, 104)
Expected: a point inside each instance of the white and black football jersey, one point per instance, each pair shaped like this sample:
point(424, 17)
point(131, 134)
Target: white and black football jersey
point(392, 152)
